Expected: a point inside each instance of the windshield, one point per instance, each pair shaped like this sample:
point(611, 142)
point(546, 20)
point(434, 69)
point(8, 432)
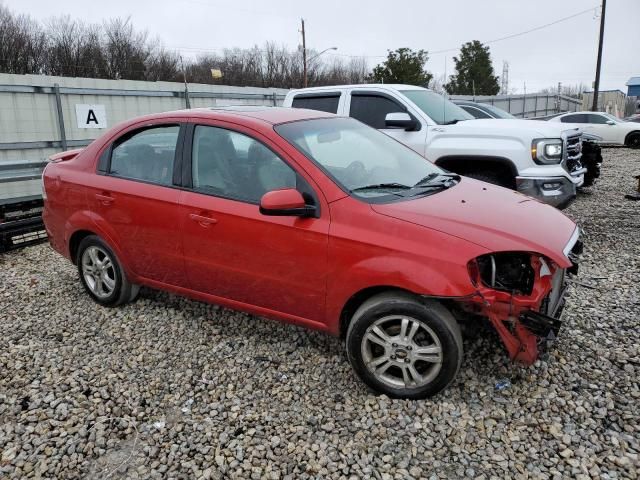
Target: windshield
point(438, 108)
point(361, 159)
point(498, 112)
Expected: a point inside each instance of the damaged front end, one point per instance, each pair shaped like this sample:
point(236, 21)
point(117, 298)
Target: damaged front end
point(522, 295)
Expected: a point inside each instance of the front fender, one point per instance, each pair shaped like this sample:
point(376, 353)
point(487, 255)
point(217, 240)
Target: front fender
point(401, 271)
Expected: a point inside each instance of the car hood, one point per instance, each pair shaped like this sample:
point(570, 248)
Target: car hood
point(492, 217)
point(523, 128)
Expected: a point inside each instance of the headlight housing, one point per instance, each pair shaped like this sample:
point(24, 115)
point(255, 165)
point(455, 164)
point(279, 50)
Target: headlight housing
point(547, 151)
point(505, 271)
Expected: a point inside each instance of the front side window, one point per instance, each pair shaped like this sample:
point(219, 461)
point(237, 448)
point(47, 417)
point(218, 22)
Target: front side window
point(373, 109)
point(146, 155)
point(323, 103)
point(233, 165)
point(437, 107)
point(599, 119)
point(362, 160)
point(575, 118)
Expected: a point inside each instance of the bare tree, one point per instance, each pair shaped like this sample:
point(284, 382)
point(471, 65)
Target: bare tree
point(74, 49)
point(22, 42)
point(126, 51)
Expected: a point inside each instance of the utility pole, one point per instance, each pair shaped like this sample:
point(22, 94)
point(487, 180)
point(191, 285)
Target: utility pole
point(304, 54)
point(187, 103)
point(596, 85)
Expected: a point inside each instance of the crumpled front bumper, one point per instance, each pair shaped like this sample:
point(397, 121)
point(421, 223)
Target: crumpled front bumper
point(529, 324)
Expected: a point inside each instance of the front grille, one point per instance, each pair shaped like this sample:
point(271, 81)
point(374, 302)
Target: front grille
point(573, 153)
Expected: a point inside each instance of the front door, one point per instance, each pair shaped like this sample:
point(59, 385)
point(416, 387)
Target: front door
point(372, 108)
point(234, 252)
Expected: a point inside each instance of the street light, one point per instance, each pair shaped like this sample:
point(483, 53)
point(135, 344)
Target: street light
point(308, 61)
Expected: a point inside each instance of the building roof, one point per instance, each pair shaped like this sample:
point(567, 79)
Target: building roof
point(633, 81)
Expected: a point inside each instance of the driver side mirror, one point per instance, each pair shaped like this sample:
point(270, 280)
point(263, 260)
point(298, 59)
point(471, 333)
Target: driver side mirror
point(287, 202)
point(610, 122)
point(400, 120)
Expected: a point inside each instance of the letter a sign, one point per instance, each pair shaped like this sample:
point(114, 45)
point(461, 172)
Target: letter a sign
point(91, 116)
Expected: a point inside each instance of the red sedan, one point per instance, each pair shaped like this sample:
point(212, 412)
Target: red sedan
point(315, 220)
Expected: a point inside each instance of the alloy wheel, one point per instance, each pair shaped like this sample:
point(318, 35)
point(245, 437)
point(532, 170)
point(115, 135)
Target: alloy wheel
point(98, 271)
point(402, 352)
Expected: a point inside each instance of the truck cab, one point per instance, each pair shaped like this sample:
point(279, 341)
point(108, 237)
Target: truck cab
point(539, 159)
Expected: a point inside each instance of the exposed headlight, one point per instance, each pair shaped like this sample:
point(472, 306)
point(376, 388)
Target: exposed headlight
point(546, 151)
point(506, 271)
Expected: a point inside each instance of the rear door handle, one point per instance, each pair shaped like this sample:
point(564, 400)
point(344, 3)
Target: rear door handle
point(202, 220)
point(105, 199)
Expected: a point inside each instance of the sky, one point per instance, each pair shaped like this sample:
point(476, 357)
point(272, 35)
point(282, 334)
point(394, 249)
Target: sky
point(564, 52)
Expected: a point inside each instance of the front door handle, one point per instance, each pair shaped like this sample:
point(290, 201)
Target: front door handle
point(104, 199)
point(202, 220)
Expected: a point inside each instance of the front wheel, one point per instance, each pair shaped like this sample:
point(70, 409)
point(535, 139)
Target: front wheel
point(403, 346)
point(633, 140)
point(492, 178)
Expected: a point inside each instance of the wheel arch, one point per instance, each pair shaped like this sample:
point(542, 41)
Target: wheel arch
point(357, 299)
point(74, 242)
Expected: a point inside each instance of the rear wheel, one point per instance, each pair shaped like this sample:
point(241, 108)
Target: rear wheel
point(403, 346)
point(633, 140)
point(101, 273)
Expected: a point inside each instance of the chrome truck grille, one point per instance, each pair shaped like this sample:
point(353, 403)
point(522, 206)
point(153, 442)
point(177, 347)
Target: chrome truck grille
point(572, 160)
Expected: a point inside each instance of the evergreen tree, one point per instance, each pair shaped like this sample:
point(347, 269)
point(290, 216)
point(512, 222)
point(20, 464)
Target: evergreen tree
point(473, 69)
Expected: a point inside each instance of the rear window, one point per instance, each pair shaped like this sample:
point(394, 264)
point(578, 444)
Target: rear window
point(323, 103)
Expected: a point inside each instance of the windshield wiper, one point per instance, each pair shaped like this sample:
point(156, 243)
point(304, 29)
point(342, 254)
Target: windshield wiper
point(427, 181)
point(452, 122)
point(381, 186)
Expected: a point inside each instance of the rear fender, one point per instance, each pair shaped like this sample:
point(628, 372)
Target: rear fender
point(87, 220)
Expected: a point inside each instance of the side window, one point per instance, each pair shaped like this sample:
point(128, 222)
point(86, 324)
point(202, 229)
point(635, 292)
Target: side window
point(600, 119)
point(328, 103)
point(146, 155)
point(476, 112)
point(372, 109)
point(576, 118)
point(233, 165)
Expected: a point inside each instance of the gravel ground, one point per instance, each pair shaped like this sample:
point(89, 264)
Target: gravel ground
point(168, 387)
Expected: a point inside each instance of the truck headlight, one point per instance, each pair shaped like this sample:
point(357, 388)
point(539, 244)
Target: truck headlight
point(546, 151)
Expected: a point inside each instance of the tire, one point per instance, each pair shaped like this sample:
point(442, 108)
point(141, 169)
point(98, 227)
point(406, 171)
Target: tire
point(385, 362)
point(105, 281)
point(633, 140)
point(489, 177)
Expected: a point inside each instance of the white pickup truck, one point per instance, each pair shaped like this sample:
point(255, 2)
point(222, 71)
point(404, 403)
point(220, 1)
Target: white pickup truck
point(540, 159)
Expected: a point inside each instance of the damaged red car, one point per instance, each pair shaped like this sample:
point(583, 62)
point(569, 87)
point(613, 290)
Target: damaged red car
point(315, 220)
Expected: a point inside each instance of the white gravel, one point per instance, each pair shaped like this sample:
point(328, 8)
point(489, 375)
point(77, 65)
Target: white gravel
point(168, 387)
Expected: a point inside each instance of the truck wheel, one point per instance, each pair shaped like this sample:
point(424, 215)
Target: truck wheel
point(633, 140)
point(403, 346)
point(489, 177)
point(101, 273)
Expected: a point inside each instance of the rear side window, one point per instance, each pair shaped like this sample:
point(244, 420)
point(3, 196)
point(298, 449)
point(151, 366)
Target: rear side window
point(577, 118)
point(146, 155)
point(328, 103)
point(372, 109)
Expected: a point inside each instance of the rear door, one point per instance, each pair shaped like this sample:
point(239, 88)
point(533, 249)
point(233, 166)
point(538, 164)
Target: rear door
point(135, 199)
point(371, 108)
point(233, 251)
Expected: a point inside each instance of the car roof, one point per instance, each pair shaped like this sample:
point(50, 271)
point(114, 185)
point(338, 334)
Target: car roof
point(262, 113)
point(390, 86)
